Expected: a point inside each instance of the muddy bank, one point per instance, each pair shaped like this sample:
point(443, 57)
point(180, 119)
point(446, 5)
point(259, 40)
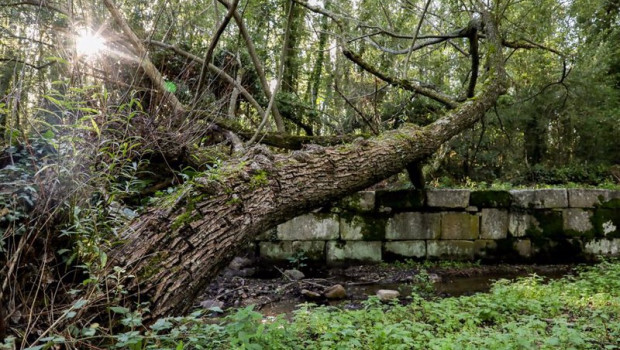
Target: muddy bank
point(274, 292)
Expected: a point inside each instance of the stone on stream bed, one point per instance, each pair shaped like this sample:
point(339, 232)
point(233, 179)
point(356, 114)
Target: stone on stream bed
point(387, 294)
point(335, 292)
point(308, 294)
point(295, 275)
point(214, 305)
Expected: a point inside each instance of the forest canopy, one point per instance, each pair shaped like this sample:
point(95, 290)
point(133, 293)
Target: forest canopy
point(557, 122)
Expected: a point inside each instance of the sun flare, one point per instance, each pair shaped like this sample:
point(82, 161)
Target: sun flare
point(88, 43)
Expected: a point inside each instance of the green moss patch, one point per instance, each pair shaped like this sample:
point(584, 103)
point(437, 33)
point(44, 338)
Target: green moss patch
point(610, 204)
point(366, 228)
point(550, 224)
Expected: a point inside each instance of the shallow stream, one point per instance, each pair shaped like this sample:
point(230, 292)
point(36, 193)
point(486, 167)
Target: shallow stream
point(450, 283)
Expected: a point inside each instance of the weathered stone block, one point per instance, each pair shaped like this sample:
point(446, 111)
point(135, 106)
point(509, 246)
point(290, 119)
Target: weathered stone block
point(519, 223)
point(405, 226)
point(359, 251)
point(577, 221)
point(483, 246)
point(363, 201)
point(490, 199)
point(275, 250)
point(539, 199)
point(351, 229)
point(459, 226)
point(408, 249)
point(359, 228)
point(451, 249)
point(523, 247)
point(603, 247)
point(586, 198)
point(386, 201)
point(447, 198)
point(314, 250)
point(310, 227)
point(494, 224)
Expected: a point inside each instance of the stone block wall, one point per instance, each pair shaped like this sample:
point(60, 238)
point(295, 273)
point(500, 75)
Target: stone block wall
point(545, 225)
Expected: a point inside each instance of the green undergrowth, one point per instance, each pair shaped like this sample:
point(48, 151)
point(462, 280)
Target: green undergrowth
point(576, 312)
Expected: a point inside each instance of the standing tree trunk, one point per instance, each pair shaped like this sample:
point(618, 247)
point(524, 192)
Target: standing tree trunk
point(6, 75)
point(291, 62)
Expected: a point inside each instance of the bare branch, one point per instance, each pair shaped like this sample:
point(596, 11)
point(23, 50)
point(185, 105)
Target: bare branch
point(45, 65)
point(212, 45)
point(401, 83)
point(249, 44)
point(380, 30)
point(528, 45)
point(287, 34)
point(372, 127)
point(217, 71)
point(10, 34)
point(39, 3)
point(151, 71)
point(437, 40)
point(474, 25)
point(415, 37)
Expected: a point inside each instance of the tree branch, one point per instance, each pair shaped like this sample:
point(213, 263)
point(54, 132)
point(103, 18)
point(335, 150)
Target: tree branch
point(287, 35)
point(40, 3)
point(151, 71)
point(249, 44)
point(372, 128)
point(401, 83)
point(212, 45)
point(45, 65)
point(290, 142)
point(528, 45)
point(415, 37)
point(474, 25)
point(219, 72)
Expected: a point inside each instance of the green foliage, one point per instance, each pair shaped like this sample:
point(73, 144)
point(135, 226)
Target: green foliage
point(578, 173)
point(576, 312)
point(20, 193)
point(298, 260)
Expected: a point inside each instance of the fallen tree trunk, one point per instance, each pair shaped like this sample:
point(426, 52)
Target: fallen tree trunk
point(175, 249)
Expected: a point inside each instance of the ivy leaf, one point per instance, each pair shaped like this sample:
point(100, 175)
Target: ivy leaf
point(48, 135)
point(119, 310)
point(170, 87)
